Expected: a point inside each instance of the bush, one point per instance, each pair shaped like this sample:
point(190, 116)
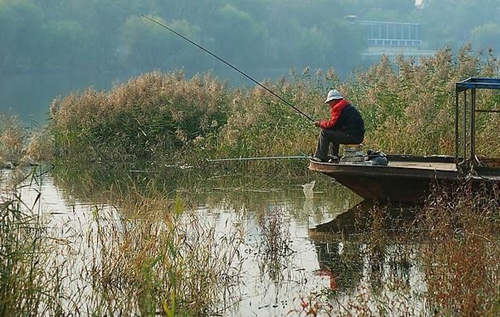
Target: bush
point(148, 118)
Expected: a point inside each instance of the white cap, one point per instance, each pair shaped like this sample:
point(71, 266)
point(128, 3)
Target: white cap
point(333, 94)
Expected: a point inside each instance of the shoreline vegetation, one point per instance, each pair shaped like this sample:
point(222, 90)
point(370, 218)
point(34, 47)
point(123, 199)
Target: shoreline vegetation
point(157, 121)
point(164, 117)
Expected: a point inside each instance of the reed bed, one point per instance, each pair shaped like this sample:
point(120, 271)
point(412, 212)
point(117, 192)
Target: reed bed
point(145, 256)
point(23, 146)
point(13, 138)
point(414, 103)
point(408, 107)
point(157, 119)
point(150, 118)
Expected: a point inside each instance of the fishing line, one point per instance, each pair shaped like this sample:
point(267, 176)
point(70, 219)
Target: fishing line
point(221, 60)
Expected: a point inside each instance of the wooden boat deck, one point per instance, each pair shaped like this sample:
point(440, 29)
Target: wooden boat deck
point(425, 165)
point(397, 164)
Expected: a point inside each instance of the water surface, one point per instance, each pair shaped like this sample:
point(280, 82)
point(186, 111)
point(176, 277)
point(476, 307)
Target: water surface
point(339, 273)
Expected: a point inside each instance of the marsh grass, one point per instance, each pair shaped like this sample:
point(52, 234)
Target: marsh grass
point(443, 260)
point(275, 245)
point(150, 117)
point(146, 255)
point(25, 285)
point(23, 146)
point(408, 108)
point(417, 101)
point(462, 253)
point(169, 265)
point(13, 138)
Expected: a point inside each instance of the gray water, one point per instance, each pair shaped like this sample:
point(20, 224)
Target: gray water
point(29, 95)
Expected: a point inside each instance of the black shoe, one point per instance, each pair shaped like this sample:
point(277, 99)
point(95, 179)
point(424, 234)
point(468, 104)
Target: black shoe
point(333, 159)
point(317, 159)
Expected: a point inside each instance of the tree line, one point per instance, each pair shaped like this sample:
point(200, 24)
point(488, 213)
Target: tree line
point(271, 36)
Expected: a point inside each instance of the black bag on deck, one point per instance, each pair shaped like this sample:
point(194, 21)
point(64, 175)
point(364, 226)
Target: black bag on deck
point(377, 158)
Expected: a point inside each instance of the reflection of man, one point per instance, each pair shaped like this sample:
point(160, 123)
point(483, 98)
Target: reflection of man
point(325, 271)
point(343, 265)
point(346, 126)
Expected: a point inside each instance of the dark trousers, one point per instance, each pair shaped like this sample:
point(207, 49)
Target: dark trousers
point(334, 137)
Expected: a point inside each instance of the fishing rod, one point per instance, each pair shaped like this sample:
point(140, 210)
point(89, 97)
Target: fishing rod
point(259, 158)
point(227, 63)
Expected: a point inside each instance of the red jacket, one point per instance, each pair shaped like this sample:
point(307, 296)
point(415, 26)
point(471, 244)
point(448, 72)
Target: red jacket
point(334, 114)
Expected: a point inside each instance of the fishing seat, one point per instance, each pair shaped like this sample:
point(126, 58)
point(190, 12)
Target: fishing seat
point(353, 153)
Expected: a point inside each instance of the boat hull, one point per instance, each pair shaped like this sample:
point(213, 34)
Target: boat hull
point(408, 180)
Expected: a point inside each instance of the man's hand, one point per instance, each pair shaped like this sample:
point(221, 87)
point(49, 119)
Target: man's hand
point(316, 124)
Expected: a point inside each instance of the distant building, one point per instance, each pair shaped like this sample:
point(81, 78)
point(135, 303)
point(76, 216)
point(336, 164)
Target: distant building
point(393, 38)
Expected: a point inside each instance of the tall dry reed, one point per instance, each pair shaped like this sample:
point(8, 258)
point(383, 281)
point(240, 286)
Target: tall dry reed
point(462, 252)
point(408, 107)
point(150, 117)
point(20, 145)
point(145, 255)
point(13, 138)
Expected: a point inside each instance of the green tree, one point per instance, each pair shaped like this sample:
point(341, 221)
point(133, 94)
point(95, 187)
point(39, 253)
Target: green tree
point(238, 37)
point(20, 36)
point(63, 44)
point(462, 16)
point(148, 45)
point(312, 47)
point(487, 36)
point(258, 34)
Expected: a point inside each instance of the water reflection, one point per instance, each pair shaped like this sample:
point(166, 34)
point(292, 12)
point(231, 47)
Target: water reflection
point(372, 281)
point(366, 216)
point(297, 240)
point(82, 207)
point(372, 268)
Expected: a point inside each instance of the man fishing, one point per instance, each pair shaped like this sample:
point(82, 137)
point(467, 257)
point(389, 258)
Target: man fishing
point(346, 126)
